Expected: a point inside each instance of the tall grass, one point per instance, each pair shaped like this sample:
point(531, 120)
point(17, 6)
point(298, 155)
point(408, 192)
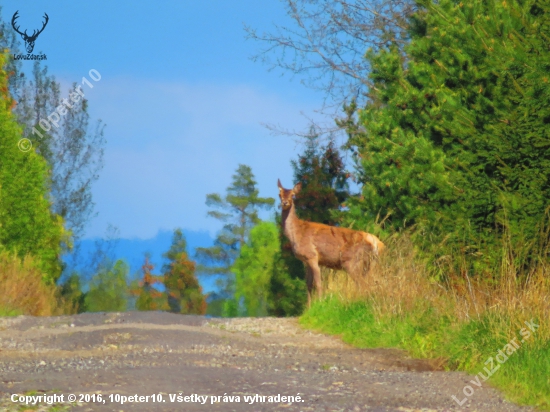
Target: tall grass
point(22, 291)
point(460, 321)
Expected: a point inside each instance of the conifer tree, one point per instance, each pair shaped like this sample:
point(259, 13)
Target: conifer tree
point(238, 211)
point(184, 293)
point(320, 169)
point(149, 297)
point(454, 140)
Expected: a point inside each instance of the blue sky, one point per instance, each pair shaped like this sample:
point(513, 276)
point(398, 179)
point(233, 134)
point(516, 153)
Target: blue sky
point(183, 103)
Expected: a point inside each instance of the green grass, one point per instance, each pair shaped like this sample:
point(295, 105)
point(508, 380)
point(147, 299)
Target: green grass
point(425, 333)
point(9, 312)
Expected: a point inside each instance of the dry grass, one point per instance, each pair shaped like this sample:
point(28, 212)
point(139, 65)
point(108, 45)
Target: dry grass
point(22, 290)
point(400, 285)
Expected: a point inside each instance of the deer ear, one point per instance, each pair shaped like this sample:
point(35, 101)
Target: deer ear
point(279, 183)
point(297, 188)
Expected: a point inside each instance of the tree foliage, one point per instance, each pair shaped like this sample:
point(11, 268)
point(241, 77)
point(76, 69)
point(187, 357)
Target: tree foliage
point(108, 290)
point(238, 211)
point(183, 291)
point(455, 138)
point(74, 150)
point(61, 166)
point(71, 294)
point(287, 285)
point(321, 171)
point(254, 268)
point(149, 297)
point(27, 225)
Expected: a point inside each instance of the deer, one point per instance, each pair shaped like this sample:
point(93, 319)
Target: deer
point(317, 244)
point(29, 40)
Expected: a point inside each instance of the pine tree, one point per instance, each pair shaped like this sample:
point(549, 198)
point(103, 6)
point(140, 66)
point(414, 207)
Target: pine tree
point(238, 210)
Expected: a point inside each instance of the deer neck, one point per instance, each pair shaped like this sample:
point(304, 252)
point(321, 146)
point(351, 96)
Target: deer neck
point(290, 221)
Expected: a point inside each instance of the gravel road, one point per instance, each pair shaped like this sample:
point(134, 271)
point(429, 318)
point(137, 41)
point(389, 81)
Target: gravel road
point(175, 362)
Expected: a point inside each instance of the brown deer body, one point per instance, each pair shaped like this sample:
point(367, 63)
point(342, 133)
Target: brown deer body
point(317, 244)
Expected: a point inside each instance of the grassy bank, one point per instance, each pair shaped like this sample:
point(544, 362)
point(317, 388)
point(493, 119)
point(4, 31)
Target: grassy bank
point(460, 322)
point(22, 290)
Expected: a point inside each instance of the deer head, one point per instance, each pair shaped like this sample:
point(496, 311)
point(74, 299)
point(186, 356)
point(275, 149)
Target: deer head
point(287, 196)
point(29, 40)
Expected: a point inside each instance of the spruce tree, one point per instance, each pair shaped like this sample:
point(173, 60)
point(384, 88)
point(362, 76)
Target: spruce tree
point(320, 169)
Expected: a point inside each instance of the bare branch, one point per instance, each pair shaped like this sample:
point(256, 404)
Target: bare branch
point(327, 44)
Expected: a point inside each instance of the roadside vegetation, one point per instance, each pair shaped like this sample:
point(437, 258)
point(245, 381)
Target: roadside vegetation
point(460, 323)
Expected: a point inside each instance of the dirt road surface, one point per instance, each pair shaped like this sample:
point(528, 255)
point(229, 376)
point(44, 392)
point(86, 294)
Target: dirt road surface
point(165, 358)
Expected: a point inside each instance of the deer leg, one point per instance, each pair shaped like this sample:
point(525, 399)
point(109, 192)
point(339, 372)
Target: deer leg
point(316, 275)
point(309, 283)
point(355, 267)
point(350, 269)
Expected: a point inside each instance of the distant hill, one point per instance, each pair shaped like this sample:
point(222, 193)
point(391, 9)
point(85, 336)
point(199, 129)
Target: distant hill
point(133, 252)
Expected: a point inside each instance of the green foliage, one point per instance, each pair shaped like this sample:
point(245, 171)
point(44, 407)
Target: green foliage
point(320, 169)
point(288, 293)
point(425, 333)
point(74, 150)
point(254, 267)
point(287, 285)
point(10, 312)
point(73, 154)
point(183, 291)
point(108, 290)
point(230, 308)
point(71, 293)
point(455, 139)
point(238, 211)
point(27, 226)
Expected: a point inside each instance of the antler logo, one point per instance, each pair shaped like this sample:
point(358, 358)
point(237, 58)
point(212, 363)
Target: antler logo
point(29, 40)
